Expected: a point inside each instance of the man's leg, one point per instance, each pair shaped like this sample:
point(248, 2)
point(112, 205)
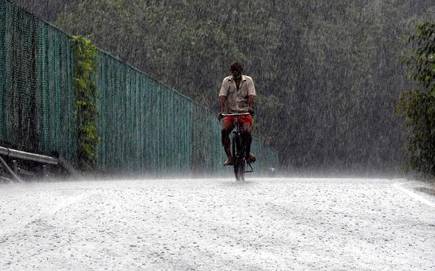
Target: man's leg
point(227, 127)
point(247, 137)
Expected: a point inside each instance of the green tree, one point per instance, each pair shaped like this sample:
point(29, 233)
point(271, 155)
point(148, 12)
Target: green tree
point(418, 106)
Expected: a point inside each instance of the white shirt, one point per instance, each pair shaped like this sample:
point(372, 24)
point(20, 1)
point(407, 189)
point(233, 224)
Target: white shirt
point(237, 99)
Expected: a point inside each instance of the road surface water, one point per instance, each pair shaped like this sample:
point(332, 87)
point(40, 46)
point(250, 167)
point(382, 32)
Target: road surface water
point(216, 224)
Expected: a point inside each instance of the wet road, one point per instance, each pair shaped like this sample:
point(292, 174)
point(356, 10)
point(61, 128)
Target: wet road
point(217, 224)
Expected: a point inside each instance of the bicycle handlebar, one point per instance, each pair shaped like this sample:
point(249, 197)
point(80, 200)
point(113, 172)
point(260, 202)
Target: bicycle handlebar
point(236, 114)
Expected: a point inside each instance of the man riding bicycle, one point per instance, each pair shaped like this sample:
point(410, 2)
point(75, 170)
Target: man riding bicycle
point(237, 95)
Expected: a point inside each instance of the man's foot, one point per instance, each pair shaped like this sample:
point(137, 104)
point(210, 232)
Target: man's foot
point(229, 162)
point(250, 158)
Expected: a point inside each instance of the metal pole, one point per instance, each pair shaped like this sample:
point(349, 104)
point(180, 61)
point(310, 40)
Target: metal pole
point(15, 176)
point(5, 179)
point(44, 171)
point(28, 156)
point(15, 166)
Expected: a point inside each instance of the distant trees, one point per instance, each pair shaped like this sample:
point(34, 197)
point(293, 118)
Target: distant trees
point(418, 105)
point(328, 73)
point(47, 9)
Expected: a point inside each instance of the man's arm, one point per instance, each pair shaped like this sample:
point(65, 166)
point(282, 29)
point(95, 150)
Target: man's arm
point(251, 96)
point(251, 99)
point(222, 100)
point(223, 92)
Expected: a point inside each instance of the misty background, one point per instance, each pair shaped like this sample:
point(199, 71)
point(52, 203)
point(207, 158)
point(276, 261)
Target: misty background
point(328, 73)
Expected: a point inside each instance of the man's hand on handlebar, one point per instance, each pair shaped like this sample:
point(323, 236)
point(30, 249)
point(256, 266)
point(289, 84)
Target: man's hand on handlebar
point(220, 116)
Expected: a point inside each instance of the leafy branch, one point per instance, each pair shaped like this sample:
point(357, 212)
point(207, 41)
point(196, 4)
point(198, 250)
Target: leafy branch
point(86, 110)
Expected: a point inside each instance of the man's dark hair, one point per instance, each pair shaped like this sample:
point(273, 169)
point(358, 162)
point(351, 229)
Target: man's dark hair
point(236, 67)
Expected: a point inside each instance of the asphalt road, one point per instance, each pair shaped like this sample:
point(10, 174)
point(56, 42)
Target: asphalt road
point(217, 224)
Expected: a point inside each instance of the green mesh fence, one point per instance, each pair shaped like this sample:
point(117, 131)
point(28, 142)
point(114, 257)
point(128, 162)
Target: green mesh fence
point(144, 126)
point(207, 153)
point(36, 94)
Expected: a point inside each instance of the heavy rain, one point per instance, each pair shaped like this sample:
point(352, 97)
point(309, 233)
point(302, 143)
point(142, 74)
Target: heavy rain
point(217, 135)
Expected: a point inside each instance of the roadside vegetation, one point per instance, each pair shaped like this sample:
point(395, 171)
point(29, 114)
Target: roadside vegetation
point(418, 105)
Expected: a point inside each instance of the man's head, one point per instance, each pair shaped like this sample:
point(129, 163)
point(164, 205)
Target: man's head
point(236, 70)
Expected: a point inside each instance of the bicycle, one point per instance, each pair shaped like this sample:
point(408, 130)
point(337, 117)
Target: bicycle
point(238, 148)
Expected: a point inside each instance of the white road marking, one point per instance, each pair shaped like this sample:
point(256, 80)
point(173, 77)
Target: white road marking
point(413, 195)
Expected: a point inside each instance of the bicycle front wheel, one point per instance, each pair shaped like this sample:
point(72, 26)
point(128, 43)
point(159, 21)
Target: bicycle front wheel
point(239, 169)
point(239, 159)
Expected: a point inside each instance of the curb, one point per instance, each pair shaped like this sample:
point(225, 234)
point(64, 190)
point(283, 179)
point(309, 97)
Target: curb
point(411, 193)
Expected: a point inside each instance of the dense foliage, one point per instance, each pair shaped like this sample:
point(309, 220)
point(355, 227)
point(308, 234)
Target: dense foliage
point(418, 106)
point(328, 73)
point(86, 111)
